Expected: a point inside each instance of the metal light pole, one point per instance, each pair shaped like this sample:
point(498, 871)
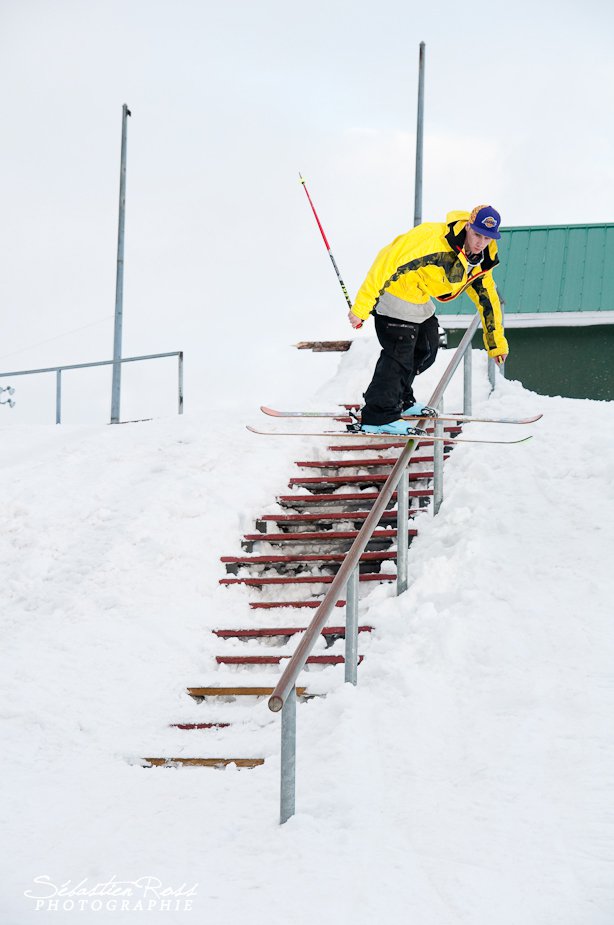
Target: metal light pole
point(419, 139)
point(119, 280)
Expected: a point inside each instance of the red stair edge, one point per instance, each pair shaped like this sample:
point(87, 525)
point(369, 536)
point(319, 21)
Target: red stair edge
point(330, 515)
point(271, 605)
point(199, 725)
point(276, 659)
point(318, 535)
point(351, 479)
point(301, 579)
point(350, 463)
point(311, 498)
point(284, 631)
point(373, 556)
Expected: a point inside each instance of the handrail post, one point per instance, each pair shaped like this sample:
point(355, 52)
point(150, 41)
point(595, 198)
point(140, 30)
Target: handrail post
point(351, 628)
point(119, 277)
point(180, 383)
point(402, 531)
point(467, 382)
point(58, 396)
point(288, 758)
point(438, 455)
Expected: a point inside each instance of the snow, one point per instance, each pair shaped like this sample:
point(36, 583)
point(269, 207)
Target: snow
point(468, 777)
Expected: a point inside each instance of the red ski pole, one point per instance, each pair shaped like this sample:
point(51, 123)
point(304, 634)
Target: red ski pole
point(327, 245)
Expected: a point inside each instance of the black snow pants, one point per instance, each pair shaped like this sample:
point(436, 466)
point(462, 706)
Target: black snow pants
point(408, 348)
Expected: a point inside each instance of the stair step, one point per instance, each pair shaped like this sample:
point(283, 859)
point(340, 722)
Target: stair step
point(255, 582)
point(346, 498)
point(322, 536)
point(272, 605)
point(374, 446)
point(241, 691)
point(355, 479)
point(199, 725)
point(326, 516)
point(203, 762)
point(284, 630)
point(388, 461)
point(277, 659)
point(323, 557)
point(351, 447)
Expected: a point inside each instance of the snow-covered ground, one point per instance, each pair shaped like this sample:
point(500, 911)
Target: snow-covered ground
point(469, 778)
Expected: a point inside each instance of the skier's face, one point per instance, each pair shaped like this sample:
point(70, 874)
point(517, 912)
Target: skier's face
point(475, 242)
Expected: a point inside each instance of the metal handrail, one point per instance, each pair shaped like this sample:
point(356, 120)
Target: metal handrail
point(297, 662)
point(283, 696)
point(58, 370)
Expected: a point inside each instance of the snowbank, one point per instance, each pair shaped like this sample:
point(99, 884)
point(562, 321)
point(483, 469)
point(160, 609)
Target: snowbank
point(468, 778)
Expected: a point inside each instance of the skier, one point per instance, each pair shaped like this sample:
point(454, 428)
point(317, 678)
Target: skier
point(432, 261)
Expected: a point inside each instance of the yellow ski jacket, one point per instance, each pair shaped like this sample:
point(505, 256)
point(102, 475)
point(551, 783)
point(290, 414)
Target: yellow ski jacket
point(429, 262)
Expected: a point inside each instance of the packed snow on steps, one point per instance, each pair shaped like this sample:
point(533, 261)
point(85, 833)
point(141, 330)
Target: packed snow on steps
point(466, 779)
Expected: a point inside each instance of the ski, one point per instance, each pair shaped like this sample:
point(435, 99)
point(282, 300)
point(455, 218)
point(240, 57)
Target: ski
point(359, 433)
point(341, 414)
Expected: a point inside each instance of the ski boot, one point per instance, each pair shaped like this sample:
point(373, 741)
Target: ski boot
point(394, 428)
point(422, 411)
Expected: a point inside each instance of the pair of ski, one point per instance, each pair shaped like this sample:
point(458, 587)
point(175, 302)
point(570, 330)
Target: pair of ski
point(461, 418)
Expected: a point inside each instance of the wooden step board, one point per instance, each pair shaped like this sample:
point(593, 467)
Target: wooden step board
point(331, 537)
point(380, 461)
point(295, 605)
point(202, 762)
point(200, 693)
point(317, 535)
point(296, 559)
point(258, 581)
point(374, 479)
point(350, 446)
point(277, 659)
point(199, 725)
point(330, 517)
point(346, 497)
point(449, 429)
point(262, 632)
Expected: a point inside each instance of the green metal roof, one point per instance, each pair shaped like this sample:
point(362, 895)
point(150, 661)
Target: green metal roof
point(551, 268)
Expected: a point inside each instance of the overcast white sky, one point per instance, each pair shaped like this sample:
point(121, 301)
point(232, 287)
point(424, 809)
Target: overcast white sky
point(229, 101)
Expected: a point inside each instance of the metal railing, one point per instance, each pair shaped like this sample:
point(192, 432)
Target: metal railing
point(58, 370)
point(283, 697)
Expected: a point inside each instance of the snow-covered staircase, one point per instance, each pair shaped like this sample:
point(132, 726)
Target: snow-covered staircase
point(289, 561)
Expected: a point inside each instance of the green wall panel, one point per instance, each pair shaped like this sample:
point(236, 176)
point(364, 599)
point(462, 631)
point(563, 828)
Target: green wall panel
point(552, 268)
point(567, 361)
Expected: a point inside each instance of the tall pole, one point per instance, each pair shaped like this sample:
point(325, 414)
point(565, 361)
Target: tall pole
point(119, 279)
point(419, 139)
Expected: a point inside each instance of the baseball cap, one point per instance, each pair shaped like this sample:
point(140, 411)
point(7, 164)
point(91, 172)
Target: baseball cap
point(485, 220)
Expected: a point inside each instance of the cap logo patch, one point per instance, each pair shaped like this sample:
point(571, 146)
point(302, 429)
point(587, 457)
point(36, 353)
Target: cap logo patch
point(489, 222)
